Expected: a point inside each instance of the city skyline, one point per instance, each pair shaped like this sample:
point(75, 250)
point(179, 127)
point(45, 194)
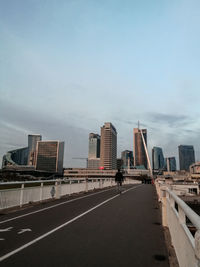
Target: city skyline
point(68, 67)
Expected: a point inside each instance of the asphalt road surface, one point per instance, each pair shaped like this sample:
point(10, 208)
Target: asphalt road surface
point(97, 229)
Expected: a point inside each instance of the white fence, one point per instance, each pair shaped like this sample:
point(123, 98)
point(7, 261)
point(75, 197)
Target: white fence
point(174, 215)
point(49, 189)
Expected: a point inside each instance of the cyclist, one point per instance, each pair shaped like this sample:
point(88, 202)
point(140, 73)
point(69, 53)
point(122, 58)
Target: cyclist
point(119, 179)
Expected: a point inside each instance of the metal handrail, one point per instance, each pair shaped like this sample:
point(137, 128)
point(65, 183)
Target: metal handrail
point(192, 216)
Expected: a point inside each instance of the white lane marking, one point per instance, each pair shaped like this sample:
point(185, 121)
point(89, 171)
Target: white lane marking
point(24, 230)
point(1, 239)
point(6, 229)
point(61, 226)
point(53, 206)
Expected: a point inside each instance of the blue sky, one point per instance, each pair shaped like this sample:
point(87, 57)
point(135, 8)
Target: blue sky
point(66, 67)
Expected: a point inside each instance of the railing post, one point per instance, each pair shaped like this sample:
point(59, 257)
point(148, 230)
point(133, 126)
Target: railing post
point(70, 185)
point(58, 189)
point(86, 185)
point(197, 246)
point(164, 207)
point(21, 195)
point(181, 213)
point(172, 202)
point(41, 189)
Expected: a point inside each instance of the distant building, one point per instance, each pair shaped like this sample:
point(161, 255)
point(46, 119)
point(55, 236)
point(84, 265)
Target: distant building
point(15, 157)
point(127, 159)
point(94, 146)
point(49, 156)
point(186, 156)
point(157, 158)
point(32, 144)
point(139, 154)
point(94, 151)
point(94, 163)
point(108, 151)
point(170, 164)
point(119, 163)
point(195, 168)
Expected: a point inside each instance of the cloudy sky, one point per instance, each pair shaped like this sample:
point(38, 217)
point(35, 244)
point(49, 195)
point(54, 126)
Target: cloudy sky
point(68, 66)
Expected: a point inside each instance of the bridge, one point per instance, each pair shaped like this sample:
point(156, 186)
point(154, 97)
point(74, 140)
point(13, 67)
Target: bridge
point(96, 227)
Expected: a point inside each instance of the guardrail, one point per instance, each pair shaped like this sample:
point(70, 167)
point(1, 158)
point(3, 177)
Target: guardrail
point(37, 191)
point(175, 215)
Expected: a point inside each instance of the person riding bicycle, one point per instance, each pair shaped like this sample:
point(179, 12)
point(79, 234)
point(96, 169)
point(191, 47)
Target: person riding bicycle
point(119, 178)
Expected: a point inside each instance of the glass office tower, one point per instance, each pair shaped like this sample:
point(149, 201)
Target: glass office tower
point(94, 151)
point(49, 156)
point(94, 146)
point(186, 157)
point(170, 163)
point(127, 159)
point(32, 144)
point(157, 158)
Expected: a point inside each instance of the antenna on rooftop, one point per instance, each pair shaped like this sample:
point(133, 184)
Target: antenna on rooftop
point(138, 124)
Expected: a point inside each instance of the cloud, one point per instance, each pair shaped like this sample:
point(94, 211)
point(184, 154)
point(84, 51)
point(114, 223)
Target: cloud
point(170, 120)
point(18, 122)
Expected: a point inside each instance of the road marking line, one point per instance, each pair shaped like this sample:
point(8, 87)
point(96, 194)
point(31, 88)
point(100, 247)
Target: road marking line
point(53, 206)
point(6, 229)
point(24, 230)
point(1, 239)
point(61, 226)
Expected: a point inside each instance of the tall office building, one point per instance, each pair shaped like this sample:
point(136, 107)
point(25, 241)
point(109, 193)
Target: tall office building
point(108, 151)
point(94, 151)
point(49, 156)
point(186, 157)
point(32, 144)
point(127, 159)
point(94, 146)
point(170, 164)
point(157, 158)
point(139, 154)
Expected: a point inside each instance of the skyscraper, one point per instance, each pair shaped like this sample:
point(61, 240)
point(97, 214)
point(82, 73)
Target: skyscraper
point(49, 156)
point(108, 151)
point(94, 146)
point(157, 158)
point(32, 144)
point(94, 151)
point(186, 157)
point(127, 158)
point(170, 164)
point(139, 154)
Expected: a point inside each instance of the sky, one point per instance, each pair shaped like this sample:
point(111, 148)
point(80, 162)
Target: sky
point(68, 66)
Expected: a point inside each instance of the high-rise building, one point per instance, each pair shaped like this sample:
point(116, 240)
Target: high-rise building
point(186, 157)
point(157, 158)
point(119, 163)
point(108, 151)
point(127, 159)
point(49, 156)
point(32, 144)
point(170, 164)
point(139, 154)
point(94, 146)
point(94, 151)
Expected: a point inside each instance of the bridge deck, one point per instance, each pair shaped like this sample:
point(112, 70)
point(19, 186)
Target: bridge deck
point(97, 229)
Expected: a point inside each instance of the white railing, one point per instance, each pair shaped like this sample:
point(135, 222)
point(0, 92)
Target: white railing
point(44, 190)
point(174, 215)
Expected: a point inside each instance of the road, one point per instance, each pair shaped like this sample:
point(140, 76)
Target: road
point(97, 229)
